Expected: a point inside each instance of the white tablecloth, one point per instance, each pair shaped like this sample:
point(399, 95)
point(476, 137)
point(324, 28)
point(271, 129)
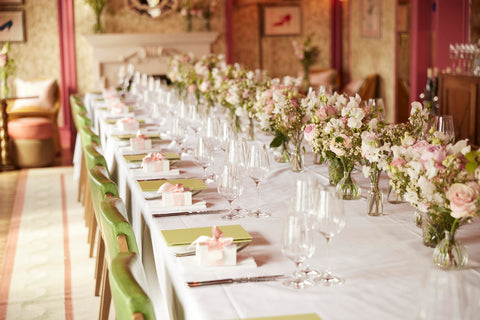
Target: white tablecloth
point(382, 259)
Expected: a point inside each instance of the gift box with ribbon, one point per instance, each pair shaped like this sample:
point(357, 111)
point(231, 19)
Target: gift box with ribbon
point(128, 124)
point(215, 250)
point(155, 162)
point(140, 142)
point(175, 195)
point(118, 107)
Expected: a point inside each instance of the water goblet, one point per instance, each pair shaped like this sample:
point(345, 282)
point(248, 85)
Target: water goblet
point(257, 168)
point(203, 155)
point(444, 124)
point(330, 220)
point(230, 186)
point(297, 245)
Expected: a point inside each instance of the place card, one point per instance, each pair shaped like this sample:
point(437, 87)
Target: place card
point(172, 156)
point(184, 237)
point(154, 185)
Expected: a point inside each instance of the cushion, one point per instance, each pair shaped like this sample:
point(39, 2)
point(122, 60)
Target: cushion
point(30, 128)
point(353, 87)
point(323, 78)
point(44, 92)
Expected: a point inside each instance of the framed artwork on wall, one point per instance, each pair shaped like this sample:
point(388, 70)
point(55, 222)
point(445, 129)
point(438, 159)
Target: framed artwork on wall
point(282, 20)
point(370, 18)
point(12, 26)
point(2, 2)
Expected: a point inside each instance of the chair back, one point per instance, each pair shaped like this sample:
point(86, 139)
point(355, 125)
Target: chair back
point(87, 136)
point(81, 120)
point(93, 156)
point(117, 233)
point(100, 187)
point(130, 299)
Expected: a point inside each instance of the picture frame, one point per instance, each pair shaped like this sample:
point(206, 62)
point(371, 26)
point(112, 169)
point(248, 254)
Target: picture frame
point(282, 20)
point(370, 18)
point(11, 2)
point(12, 26)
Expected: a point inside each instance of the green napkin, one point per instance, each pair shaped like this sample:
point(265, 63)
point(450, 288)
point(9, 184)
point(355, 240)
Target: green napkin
point(139, 157)
point(114, 121)
point(309, 316)
point(184, 237)
point(152, 136)
point(153, 185)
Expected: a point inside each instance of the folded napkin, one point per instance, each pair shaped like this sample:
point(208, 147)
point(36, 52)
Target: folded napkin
point(154, 185)
point(157, 207)
point(189, 266)
point(139, 174)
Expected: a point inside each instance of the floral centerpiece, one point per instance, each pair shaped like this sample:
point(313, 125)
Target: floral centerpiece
point(7, 68)
point(181, 72)
point(283, 112)
point(198, 8)
point(307, 54)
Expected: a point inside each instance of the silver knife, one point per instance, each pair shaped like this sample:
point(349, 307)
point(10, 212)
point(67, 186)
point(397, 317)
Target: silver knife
point(233, 280)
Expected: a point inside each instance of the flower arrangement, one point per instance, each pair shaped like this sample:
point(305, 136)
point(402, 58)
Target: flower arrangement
point(198, 8)
point(97, 7)
point(308, 55)
point(7, 68)
point(181, 72)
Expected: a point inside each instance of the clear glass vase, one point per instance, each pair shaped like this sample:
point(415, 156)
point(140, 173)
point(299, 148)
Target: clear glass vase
point(348, 186)
point(375, 196)
point(417, 218)
point(394, 197)
point(297, 153)
point(282, 153)
point(450, 254)
point(335, 171)
point(432, 232)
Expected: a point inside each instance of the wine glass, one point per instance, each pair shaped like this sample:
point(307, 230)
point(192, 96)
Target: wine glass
point(226, 134)
point(330, 220)
point(444, 124)
point(203, 155)
point(230, 186)
point(235, 155)
point(297, 245)
point(257, 168)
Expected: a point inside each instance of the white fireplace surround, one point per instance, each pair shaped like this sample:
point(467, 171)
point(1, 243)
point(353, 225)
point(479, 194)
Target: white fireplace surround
point(148, 52)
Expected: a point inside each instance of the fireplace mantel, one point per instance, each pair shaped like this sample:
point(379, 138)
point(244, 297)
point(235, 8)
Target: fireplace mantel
point(149, 52)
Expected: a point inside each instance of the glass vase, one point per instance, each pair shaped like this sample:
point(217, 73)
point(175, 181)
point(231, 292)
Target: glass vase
point(432, 232)
point(348, 186)
point(297, 154)
point(450, 254)
point(282, 153)
point(4, 90)
point(335, 171)
point(417, 218)
point(375, 196)
point(251, 129)
point(394, 197)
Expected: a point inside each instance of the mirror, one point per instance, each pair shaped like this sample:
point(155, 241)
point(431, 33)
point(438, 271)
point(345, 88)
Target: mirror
point(153, 8)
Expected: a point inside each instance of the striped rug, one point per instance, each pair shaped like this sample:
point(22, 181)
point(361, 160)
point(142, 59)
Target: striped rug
point(46, 272)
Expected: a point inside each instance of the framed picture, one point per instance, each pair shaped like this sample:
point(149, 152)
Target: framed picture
point(12, 26)
point(370, 18)
point(284, 20)
point(2, 2)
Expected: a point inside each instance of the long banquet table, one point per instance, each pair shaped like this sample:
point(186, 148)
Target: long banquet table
point(387, 269)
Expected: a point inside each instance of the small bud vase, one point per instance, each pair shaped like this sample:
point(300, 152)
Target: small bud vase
point(432, 233)
point(394, 197)
point(335, 171)
point(281, 154)
point(450, 254)
point(297, 153)
point(348, 186)
point(375, 196)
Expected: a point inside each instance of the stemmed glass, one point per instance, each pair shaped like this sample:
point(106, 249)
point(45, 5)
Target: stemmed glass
point(330, 220)
point(444, 124)
point(230, 186)
point(177, 134)
point(297, 245)
point(257, 168)
point(203, 155)
point(226, 134)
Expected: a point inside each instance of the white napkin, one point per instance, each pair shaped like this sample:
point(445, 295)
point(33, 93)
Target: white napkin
point(157, 207)
point(139, 174)
point(194, 271)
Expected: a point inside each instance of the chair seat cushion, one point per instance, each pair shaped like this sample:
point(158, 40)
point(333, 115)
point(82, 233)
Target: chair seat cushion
point(30, 128)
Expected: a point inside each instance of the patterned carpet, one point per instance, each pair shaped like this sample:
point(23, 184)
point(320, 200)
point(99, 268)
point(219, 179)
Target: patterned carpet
point(46, 272)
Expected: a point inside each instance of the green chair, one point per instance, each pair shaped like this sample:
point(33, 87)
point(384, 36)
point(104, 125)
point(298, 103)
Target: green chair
point(129, 298)
point(118, 236)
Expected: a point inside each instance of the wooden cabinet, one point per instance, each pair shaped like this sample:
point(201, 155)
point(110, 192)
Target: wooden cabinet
point(459, 96)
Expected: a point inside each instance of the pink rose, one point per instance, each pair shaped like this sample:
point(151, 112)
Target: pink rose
point(420, 145)
point(321, 113)
point(309, 132)
point(463, 199)
point(331, 110)
point(398, 163)
point(435, 153)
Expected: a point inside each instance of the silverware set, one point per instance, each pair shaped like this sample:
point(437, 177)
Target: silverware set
point(193, 284)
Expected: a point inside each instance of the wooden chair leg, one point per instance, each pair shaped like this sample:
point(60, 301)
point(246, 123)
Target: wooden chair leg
point(106, 296)
point(99, 264)
point(93, 233)
point(82, 180)
point(88, 206)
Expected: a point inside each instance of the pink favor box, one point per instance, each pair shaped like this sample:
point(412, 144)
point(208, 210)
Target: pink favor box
point(177, 198)
point(226, 256)
point(156, 165)
point(140, 143)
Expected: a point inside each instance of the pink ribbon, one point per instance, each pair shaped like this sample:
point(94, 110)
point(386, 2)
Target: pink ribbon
point(170, 187)
point(140, 135)
point(216, 241)
point(157, 156)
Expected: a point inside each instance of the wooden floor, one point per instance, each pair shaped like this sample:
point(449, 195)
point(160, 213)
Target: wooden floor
point(8, 187)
